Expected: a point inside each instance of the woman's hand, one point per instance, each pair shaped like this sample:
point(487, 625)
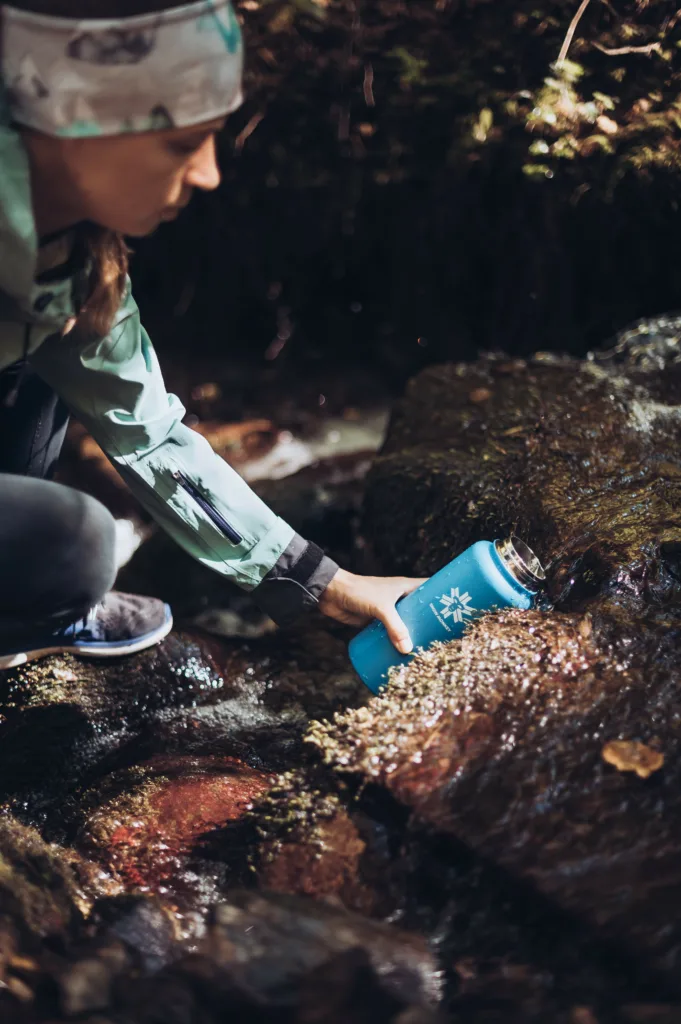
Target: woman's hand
point(356, 600)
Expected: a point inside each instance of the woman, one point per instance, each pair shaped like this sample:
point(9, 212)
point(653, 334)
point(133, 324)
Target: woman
point(106, 129)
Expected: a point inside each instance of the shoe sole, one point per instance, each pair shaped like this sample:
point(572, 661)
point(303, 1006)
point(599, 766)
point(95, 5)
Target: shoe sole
point(93, 650)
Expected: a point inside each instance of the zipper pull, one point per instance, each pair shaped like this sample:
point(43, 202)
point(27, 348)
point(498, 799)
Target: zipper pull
point(209, 509)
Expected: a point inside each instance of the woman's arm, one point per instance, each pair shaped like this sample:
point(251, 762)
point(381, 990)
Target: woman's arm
point(114, 386)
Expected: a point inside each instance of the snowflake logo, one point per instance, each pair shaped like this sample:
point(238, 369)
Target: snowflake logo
point(456, 605)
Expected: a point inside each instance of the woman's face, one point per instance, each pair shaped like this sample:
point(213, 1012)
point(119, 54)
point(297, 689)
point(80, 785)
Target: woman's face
point(128, 183)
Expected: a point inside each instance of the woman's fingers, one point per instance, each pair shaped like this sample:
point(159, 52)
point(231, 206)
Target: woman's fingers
point(390, 616)
point(397, 631)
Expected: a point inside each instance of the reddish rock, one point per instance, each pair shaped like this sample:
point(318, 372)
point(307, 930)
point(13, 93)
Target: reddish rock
point(149, 820)
point(191, 695)
point(329, 865)
point(310, 844)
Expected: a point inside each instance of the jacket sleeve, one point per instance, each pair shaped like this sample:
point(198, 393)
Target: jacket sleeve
point(114, 386)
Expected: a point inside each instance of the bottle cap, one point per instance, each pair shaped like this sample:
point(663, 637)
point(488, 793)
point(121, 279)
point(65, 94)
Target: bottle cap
point(521, 562)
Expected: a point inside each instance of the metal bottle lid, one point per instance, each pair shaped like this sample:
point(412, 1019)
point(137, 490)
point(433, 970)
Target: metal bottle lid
point(521, 562)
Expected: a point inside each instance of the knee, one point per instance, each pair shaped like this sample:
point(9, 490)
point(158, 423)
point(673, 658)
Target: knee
point(57, 549)
point(92, 549)
point(74, 543)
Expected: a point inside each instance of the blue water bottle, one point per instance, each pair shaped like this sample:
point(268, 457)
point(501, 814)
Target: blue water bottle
point(489, 574)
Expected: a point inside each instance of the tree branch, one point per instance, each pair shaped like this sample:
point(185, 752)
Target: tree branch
point(246, 132)
point(567, 42)
point(369, 85)
point(620, 50)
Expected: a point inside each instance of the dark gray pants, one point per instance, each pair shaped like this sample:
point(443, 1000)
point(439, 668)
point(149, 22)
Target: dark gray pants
point(56, 544)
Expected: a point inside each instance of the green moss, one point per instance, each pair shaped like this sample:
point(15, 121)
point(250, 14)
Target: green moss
point(498, 59)
point(293, 811)
point(578, 458)
point(45, 888)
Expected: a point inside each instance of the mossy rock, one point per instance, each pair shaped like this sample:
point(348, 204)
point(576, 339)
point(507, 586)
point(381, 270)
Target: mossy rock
point(579, 457)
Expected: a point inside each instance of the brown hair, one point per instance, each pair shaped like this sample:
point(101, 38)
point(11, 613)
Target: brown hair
point(108, 254)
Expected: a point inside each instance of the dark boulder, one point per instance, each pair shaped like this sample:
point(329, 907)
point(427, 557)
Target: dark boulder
point(580, 457)
point(269, 943)
point(66, 723)
point(149, 824)
point(544, 746)
point(508, 741)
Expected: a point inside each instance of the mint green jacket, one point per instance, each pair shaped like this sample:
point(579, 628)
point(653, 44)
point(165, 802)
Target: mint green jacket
point(114, 386)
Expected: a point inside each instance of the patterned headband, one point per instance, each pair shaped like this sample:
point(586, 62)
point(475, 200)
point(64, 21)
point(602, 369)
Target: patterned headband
point(80, 78)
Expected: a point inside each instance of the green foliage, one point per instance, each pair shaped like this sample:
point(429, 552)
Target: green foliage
point(398, 84)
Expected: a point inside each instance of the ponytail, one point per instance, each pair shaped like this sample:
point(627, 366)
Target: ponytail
point(108, 256)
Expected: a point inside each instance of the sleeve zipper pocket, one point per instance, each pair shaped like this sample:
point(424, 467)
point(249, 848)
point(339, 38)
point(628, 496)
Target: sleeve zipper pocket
point(215, 517)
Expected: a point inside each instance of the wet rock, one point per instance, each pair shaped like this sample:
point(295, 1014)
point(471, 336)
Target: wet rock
point(61, 716)
point(67, 722)
point(358, 995)
point(527, 744)
point(147, 822)
point(309, 843)
point(328, 865)
point(44, 889)
point(143, 924)
point(273, 687)
point(46, 892)
point(265, 959)
point(318, 833)
point(581, 458)
point(149, 765)
point(86, 983)
point(497, 741)
point(270, 942)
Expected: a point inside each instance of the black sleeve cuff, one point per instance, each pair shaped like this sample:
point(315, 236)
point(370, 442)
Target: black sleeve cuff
point(295, 584)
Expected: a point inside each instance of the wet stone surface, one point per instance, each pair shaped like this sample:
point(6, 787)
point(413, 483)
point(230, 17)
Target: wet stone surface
point(499, 742)
point(580, 458)
point(148, 825)
point(309, 839)
point(66, 722)
point(149, 765)
point(496, 838)
point(543, 749)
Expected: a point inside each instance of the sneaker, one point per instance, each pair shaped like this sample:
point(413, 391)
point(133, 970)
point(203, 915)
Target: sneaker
point(120, 624)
